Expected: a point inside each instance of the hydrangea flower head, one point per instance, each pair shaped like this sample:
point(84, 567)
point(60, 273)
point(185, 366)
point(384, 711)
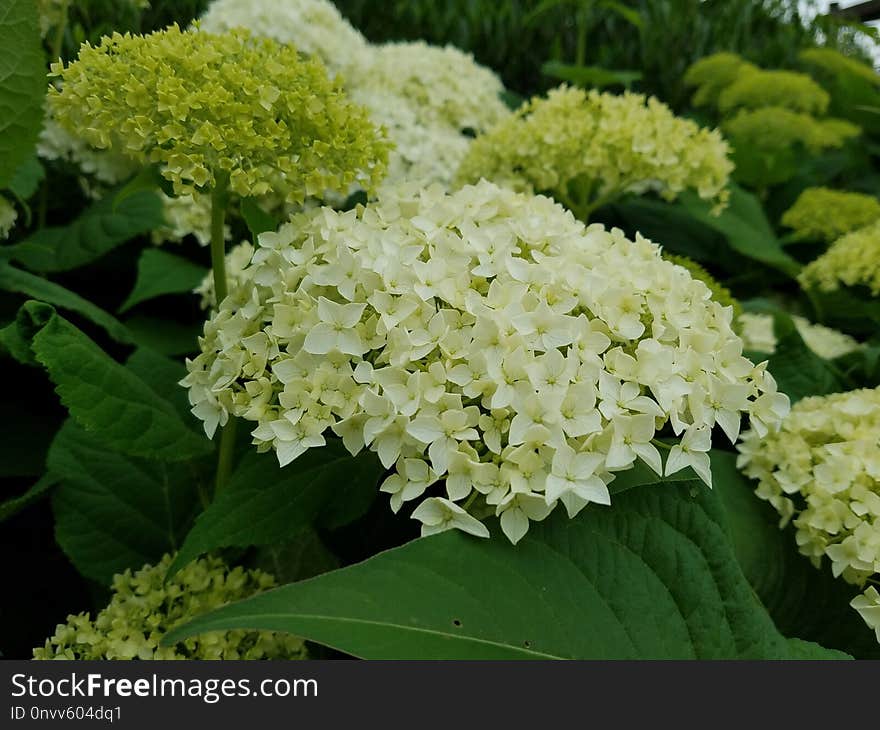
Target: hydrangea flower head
point(583, 147)
point(820, 470)
point(824, 214)
point(8, 216)
point(497, 354)
point(315, 27)
point(868, 606)
point(758, 335)
point(758, 88)
point(144, 607)
point(712, 74)
point(720, 293)
point(206, 107)
point(775, 128)
point(852, 260)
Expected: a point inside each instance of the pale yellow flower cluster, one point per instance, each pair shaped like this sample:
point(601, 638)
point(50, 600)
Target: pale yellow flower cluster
point(755, 88)
point(144, 607)
point(824, 214)
point(585, 148)
point(497, 354)
point(852, 260)
point(757, 334)
point(8, 216)
point(821, 471)
point(219, 109)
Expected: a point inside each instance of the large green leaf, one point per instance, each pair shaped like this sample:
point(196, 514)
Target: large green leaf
point(97, 231)
point(161, 273)
point(166, 336)
point(22, 84)
point(107, 399)
point(21, 282)
point(802, 600)
point(114, 512)
point(745, 226)
point(653, 576)
point(265, 504)
point(163, 375)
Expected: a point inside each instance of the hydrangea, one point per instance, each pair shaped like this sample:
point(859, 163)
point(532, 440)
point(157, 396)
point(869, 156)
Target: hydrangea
point(8, 216)
point(868, 606)
point(828, 60)
point(443, 86)
point(237, 261)
point(208, 107)
point(852, 260)
point(720, 293)
point(186, 215)
point(755, 88)
point(144, 607)
point(497, 354)
point(824, 214)
point(758, 335)
point(586, 148)
point(713, 74)
point(315, 27)
point(821, 471)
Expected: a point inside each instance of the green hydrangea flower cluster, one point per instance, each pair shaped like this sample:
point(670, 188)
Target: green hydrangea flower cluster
point(209, 107)
point(144, 607)
point(755, 88)
point(586, 148)
point(830, 61)
point(852, 260)
point(713, 74)
point(823, 214)
point(820, 470)
point(758, 335)
point(769, 116)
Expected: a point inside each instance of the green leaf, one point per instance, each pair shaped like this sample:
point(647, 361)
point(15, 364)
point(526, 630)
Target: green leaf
point(22, 84)
point(258, 220)
point(113, 512)
point(107, 399)
point(162, 273)
point(163, 375)
point(22, 282)
point(97, 231)
point(803, 601)
point(653, 576)
point(148, 178)
point(745, 226)
point(590, 76)
point(27, 178)
point(265, 504)
point(165, 336)
point(13, 506)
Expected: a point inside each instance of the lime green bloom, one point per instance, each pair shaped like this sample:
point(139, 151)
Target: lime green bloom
point(776, 128)
point(829, 61)
point(713, 74)
point(852, 260)
point(144, 607)
point(826, 215)
point(208, 108)
point(756, 89)
point(720, 293)
point(587, 148)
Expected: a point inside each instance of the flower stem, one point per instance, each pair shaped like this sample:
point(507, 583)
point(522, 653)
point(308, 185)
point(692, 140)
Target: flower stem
point(219, 201)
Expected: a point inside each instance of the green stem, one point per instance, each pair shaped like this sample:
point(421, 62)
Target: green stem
point(219, 200)
point(58, 41)
point(817, 306)
point(660, 444)
point(224, 455)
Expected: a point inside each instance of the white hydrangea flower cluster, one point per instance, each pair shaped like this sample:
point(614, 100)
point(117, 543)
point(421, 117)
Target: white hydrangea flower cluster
point(315, 27)
point(868, 606)
point(485, 340)
point(821, 470)
point(757, 334)
point(237, 260)
point(429, 99)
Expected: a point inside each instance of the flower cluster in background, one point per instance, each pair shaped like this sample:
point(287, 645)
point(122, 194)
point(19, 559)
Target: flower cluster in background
point(758, 335)
point(206, 106)
point(823, 214)
point(821, 471)
point(145, 606)
point(852, 260)
point(586, 148)
point(486, 339)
